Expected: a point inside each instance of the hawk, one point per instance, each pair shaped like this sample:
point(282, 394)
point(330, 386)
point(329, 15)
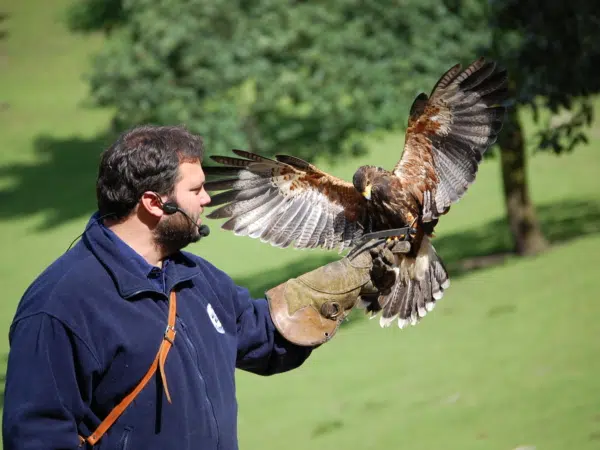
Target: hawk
point(287, 201)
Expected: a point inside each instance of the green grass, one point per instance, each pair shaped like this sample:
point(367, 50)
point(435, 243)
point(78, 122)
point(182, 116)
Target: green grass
point(508, 358)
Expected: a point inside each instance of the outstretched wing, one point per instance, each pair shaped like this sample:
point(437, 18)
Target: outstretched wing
point(285, 201)
point(449, 132)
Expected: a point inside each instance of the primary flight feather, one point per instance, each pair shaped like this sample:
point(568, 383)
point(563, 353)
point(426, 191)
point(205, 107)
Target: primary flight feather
point(287, 201)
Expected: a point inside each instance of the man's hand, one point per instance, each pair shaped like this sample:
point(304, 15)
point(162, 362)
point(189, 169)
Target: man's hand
point(308, 310)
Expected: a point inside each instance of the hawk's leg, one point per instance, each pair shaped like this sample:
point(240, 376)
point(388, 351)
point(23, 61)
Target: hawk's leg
point(412, 231)
point(371, 240)
point(405, 236)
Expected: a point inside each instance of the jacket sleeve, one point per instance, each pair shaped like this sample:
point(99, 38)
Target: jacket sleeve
point(45, 387)
point(261, 349)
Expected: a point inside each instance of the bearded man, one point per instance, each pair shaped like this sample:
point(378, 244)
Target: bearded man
point(126, 341)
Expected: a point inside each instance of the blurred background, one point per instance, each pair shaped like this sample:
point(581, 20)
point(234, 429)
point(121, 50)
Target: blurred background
point(509, 359)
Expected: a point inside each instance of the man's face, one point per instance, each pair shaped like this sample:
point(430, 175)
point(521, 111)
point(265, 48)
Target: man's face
point(176, 231)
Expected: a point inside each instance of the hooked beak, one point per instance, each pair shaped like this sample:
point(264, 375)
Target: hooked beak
point(367, 192)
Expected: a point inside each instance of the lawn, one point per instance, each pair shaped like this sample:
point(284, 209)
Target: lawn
point(508, 359)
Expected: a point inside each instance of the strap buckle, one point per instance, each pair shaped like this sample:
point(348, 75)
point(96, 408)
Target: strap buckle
point(170, 334)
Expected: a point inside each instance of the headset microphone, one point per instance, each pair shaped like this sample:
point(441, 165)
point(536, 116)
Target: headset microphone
point(171, 208)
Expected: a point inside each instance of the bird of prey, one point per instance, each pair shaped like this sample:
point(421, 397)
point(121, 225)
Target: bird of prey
point(287, 201)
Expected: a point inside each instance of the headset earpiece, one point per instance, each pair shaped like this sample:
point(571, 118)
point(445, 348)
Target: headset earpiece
point(169, 208)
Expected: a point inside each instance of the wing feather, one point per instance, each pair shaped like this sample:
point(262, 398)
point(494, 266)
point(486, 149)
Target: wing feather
point(330, 230)
point(285, 201)
point(284, 238)
point(273, 232)
point(449, 131)
point(240, 225)
point(310, 226)
point(257, 228)
point(294, 229)
point(319, 236)
point(246, 194)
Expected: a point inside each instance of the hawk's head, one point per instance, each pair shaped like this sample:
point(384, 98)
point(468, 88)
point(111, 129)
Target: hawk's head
point(365, 177)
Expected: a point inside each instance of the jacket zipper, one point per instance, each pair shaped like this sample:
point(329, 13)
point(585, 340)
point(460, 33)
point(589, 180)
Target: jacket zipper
point(194, 354)
point(125, 438)
point(193, 351)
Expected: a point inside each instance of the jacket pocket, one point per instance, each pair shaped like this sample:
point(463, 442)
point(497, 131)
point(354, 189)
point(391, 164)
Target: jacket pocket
point(125, 443)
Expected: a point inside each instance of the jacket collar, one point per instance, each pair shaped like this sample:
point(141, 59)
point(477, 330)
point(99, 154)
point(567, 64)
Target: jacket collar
point(127, 268)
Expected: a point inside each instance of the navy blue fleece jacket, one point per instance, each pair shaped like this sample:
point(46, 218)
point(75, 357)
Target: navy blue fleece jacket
point(88, 328)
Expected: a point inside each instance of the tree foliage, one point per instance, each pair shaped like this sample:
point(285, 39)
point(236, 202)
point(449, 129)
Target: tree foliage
point(273, 75)
point(552, 52)
point(96, 15)
point(316, 77)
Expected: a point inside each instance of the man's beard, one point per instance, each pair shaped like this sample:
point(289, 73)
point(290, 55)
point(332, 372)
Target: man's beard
point(174, 233)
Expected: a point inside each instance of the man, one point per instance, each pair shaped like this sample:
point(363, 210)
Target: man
point(128, 342)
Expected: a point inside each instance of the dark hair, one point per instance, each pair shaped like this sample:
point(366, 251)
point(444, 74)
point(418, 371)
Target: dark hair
point(145, 158)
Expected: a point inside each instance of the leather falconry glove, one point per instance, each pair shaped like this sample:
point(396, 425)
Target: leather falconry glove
point(309, 309)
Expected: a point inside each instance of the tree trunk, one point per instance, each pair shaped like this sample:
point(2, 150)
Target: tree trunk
point(522, 219)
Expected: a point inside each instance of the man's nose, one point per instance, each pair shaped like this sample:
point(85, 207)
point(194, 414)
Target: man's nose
point(206, 199)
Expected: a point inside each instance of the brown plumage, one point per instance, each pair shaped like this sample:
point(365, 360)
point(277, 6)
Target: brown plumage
point(287, 201)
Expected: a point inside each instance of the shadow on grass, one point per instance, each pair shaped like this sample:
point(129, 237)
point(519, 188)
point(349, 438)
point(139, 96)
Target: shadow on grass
point(491, 244)
point(3, 32)
point(468, 250)
point(60, 184)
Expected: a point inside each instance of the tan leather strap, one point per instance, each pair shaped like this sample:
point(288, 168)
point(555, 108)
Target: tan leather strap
point(159, 362)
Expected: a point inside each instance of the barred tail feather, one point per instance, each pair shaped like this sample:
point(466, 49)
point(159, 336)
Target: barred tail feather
point(420, 283)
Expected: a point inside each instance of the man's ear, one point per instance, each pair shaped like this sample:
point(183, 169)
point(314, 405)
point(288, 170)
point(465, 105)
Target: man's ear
point(152, 203)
